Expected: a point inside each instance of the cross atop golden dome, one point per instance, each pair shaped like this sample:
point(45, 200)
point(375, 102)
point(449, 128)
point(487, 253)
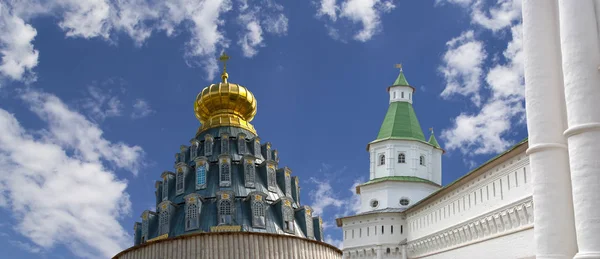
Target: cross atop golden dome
point(224, 58)
point(225, 104)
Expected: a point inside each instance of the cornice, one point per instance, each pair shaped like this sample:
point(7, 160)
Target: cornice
point(517, 216)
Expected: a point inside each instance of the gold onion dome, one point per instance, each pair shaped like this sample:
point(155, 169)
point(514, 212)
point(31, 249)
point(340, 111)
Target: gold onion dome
point(225, 104)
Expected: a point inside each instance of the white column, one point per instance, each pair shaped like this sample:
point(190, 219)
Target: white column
point(554, 232)
point(404, 255)
point(581, 63)
point(372, 164)
point(379, 252)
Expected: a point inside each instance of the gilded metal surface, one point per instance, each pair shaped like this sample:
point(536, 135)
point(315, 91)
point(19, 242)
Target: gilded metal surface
point(226, 228)
point(165, 236)
point(225, 104)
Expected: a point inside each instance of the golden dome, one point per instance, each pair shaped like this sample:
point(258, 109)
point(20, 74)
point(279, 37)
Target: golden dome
point(225, 104)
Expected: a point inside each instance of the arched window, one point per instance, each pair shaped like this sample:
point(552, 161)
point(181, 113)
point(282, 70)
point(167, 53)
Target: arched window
point(165, 188)
point(288, 219)
point(224, 144)
point(249, 172)
point(401, 158)
point(387, 251)
point(271, 179)
point(381, 159)
point(193, 150)
point(208, 145)
point(201, 176)
point(241, 145)
point(144, 229)
point(225, 212)
point(402, 95)
point(394, 95)
point(401, 229)
point(258, 214)
point(257, 147)
point(309, 227)
point(422, 160)
point(268, 153)
point(164, 222)
point(191, 217)
point(225, 173)
point(288, 185)
point(179, 181)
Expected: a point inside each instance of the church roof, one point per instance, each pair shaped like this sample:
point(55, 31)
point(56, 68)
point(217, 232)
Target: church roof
point(433, 141)
point(401, 80)
point(401, 122)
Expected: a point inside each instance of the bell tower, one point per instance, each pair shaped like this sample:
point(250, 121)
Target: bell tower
point(404, 166)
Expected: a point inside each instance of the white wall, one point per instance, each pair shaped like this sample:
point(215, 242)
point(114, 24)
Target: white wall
point(401, 94)
point(519, 245)
point(362, 235)
point(497, 202)
point(412, 150)
point(389, 193)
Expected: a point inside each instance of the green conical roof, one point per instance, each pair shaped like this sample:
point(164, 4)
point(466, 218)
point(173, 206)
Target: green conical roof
point(401, 122)
point(433, 141)
point(401, 80)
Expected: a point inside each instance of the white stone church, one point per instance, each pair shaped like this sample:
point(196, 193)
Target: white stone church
point(539, 199)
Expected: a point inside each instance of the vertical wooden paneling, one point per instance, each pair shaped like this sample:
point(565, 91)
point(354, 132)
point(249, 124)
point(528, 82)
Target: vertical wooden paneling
point(244, 245)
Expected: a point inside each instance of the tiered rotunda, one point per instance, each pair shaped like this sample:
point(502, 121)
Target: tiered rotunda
point(228, 197)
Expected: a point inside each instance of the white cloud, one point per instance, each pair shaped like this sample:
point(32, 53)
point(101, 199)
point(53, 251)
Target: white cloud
point(498, 16)
point(276, 24)
point(25, 246)
point(366, 12)
point(335, 242)
point(252, 38)
point(489, 15)
point(462, 68)
point(72, 130)
point(254, 20)
point(488, 130)
point(16, 49)
point(101, 104)
point(328, 8)
point(323, 196)
point(138, 19)
point(141, 108)
point(58, 175)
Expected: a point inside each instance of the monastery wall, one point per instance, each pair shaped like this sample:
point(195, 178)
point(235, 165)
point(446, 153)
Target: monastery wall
point(489, 207)
point(516, 245)
point(365, 234)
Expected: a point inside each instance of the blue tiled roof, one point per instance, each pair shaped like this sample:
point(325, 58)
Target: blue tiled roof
point(243, 211)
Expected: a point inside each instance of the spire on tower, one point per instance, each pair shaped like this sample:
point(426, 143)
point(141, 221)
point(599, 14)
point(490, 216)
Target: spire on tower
point(400, 80)
point(224, 58)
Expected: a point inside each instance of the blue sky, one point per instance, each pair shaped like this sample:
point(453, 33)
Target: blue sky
point(96, 97)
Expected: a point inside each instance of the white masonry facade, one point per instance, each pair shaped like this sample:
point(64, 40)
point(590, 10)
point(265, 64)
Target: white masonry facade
point(539, 199)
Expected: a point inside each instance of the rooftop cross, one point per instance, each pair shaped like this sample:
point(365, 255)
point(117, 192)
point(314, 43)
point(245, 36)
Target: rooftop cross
point(224, 58)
